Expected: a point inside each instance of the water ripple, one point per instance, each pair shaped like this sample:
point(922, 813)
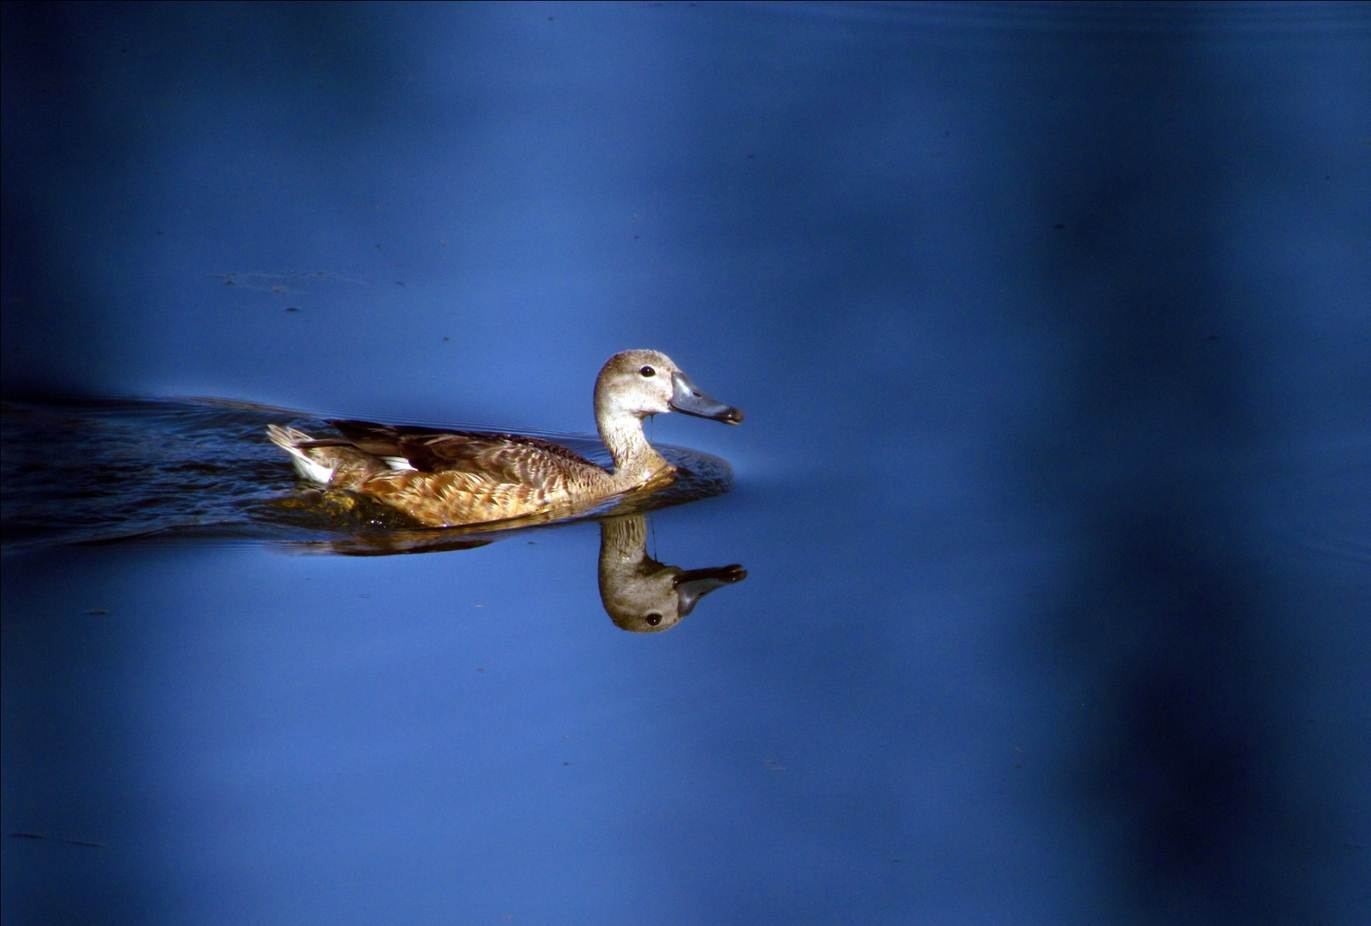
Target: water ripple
point(102, 471)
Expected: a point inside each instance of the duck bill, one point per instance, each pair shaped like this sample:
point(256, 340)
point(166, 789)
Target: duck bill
point(694, 584)
point(686, 397)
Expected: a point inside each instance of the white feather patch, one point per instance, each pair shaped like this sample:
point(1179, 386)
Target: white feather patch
point(310, 469)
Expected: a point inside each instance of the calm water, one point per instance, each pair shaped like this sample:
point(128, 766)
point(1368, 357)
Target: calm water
point(1038, 575)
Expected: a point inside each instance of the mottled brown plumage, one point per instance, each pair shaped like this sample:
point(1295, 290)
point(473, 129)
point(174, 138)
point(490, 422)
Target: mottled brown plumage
point(447, 478)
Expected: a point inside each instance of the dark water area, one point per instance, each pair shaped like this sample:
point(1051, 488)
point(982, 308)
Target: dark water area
point(1034, 588)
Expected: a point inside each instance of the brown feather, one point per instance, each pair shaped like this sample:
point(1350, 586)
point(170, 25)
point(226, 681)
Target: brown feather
point(462, 477)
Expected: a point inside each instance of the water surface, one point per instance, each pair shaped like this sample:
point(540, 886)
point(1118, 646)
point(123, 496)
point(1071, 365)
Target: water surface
point(1053, 497)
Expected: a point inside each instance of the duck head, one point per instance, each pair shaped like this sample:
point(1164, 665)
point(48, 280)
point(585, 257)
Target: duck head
point(648, 382)
point(642, 595)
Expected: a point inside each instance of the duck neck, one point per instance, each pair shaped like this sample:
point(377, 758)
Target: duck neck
point(623, 545)
point(635, 462)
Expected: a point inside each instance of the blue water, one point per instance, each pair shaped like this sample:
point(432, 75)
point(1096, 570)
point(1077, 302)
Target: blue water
point(1050, 323)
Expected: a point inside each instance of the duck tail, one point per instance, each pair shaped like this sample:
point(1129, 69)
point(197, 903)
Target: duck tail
point(306, 464)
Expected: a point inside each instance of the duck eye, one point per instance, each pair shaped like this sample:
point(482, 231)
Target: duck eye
point(648, 371)
point(654, 618)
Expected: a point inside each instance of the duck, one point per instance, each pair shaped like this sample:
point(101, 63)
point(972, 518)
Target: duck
point(441, 478)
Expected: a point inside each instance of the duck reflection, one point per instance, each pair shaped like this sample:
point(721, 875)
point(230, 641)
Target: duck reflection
point(642, 595)
point(639, 593)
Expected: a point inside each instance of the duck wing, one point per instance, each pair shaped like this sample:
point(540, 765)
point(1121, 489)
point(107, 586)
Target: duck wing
point(501, 458)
